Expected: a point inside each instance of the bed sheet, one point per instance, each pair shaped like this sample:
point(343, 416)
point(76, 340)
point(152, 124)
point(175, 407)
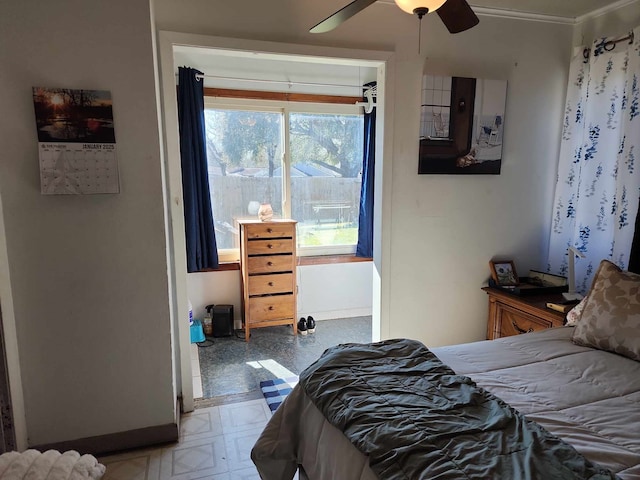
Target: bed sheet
point(589, 398)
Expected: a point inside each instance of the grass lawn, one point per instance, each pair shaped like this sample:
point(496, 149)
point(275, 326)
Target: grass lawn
point(311, 234)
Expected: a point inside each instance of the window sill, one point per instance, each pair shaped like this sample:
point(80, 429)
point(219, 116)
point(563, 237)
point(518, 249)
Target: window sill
point(328, 259)
point(222, 267)
point(302, 261)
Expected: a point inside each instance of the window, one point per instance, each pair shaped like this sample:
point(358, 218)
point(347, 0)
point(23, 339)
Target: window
point(304, 159)
point(436, 107)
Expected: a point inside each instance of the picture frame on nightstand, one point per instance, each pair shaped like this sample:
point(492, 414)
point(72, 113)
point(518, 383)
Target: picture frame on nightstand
point(503, 273)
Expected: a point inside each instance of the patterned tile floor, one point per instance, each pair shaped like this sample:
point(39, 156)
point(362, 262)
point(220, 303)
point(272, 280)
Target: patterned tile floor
point(215, 442)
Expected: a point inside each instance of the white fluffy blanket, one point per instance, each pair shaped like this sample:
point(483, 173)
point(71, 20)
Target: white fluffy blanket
point(50, 465)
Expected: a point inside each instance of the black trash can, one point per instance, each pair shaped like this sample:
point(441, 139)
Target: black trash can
point(222, 320)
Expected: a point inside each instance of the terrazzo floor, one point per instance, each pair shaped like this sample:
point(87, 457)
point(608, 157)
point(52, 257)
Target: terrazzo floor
point(232, 367)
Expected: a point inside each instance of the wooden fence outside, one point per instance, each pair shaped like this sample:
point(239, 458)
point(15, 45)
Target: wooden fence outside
point(313, 200)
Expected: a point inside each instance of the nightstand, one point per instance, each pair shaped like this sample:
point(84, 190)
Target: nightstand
point(511, 314)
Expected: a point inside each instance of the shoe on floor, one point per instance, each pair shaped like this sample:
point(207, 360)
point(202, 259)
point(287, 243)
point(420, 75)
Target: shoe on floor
point(302, 326)
point(311, 324)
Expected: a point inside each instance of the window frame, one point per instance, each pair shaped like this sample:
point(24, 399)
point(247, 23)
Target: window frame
point(285, 108)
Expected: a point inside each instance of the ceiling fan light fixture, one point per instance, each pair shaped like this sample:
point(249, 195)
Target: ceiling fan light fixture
point(456, 15)
point(410, 6)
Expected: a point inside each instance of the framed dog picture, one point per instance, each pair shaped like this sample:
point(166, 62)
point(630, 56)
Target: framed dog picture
point(504, 273)
point(462, 125)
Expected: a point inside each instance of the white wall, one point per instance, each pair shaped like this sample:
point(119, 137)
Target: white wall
point(445, 228)
point(324, 291)
point(208, 288)
point(618, 22)
point(335, 290)
point(88, 273)
point(439, 232)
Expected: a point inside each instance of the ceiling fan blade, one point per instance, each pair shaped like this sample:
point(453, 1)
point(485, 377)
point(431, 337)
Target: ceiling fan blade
point(341, 15)
point(457, 16)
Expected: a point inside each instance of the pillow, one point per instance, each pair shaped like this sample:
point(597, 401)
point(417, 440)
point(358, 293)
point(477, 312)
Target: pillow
point(575, 313)
point(611, 315)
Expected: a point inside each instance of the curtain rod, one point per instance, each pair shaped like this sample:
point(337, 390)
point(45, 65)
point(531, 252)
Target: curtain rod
point(606, 46)
point(286, 82)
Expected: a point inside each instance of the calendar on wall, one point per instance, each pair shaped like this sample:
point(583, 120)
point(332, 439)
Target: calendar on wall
point(76, 141)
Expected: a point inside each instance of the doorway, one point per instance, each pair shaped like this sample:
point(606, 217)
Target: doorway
point(224, 286)
point(7, 430)
point(13, 427)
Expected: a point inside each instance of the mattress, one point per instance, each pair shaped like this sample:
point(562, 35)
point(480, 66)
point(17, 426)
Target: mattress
point(589, 398)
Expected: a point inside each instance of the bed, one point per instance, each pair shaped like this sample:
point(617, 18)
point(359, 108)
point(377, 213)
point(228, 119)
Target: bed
point(572, 393)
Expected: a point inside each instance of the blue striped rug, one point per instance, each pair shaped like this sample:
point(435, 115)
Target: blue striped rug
point(275, 391)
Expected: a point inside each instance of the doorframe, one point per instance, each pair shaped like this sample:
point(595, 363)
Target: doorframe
point(177, 267)
point(11, 343)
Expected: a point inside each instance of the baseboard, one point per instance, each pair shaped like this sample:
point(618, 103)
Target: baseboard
point(333, 314)
point(328, 315)
point(115, 442)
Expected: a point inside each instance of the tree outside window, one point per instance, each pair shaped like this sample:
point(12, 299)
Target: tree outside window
point(246, 155)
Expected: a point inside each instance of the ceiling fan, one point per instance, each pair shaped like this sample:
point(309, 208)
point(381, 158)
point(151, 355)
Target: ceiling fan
point(456, 15)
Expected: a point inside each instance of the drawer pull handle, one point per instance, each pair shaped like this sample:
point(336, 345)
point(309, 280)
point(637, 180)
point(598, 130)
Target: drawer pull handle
point(269, 245)
point(269, 230)
point(270, 307)
point(271, 284)
point(520, 330)
point(270, 264)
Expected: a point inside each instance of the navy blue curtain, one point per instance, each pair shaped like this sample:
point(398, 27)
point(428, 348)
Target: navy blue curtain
point(202, 251)
point(365, 220)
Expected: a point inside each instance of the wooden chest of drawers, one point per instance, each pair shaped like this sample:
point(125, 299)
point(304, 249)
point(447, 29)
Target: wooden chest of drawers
point(268, 267)
point(512, 314)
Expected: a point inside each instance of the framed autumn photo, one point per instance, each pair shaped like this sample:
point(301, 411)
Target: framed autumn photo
point(504, 273)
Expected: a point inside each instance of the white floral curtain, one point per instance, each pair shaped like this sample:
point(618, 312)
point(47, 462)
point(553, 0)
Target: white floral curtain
point(598, 185)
